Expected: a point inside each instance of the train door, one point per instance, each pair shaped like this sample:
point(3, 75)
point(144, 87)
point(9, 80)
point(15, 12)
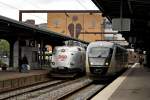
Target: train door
point(119, 58)
point(112, 66)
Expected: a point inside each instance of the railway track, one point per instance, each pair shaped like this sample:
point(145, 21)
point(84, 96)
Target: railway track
point(77, 89)
point(37, 92)
point(21, 91)
point(57, 92)
point(80, 89)
point(85, 93)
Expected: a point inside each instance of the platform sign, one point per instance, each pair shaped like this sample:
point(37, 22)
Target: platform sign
point(121, 24)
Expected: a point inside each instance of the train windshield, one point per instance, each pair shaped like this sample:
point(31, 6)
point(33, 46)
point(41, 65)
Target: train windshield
point(99, 52)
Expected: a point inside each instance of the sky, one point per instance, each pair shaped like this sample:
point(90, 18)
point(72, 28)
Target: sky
point(10, 8)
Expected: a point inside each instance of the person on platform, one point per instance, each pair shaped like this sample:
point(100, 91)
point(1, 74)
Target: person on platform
point(141, 60)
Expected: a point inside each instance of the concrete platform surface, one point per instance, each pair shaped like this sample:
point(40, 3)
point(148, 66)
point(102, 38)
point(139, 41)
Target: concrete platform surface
point(10, 80)
point(5, 75)
point(134, 84)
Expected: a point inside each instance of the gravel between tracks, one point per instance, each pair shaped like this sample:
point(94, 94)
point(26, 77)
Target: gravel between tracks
point(52, 91)
point(63, 90)
point(85, 93)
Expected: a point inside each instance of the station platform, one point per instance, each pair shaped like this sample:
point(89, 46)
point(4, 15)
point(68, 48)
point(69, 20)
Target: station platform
point(134, 84)
point(10, 80)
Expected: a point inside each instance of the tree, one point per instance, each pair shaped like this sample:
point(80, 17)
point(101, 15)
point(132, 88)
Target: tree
point(4, 47)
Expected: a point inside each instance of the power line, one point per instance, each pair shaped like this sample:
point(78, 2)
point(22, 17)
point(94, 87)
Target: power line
point(9, 5)
point(29, 2)
point(82, 5)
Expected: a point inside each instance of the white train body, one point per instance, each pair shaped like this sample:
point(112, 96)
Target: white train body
point(105, 58)
point(68, 59)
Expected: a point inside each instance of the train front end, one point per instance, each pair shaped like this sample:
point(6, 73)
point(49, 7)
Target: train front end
point(99, 58)
point(60, 60)
point(67, 60)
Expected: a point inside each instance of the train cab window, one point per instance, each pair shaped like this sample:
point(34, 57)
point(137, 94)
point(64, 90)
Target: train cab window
point(99, 52)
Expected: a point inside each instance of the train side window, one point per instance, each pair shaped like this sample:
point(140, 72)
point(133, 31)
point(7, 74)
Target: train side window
point(111, 51)
point(118, 53)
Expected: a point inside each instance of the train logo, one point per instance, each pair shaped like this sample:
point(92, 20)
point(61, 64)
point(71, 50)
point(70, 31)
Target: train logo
point(62, 57)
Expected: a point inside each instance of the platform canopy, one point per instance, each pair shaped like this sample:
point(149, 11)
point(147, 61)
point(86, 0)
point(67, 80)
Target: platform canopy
point(138, 11)
point(12, 30)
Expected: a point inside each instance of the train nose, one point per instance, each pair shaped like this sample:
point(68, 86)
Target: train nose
point(98, 71)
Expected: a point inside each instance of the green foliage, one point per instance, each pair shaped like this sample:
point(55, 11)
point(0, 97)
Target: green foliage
point(4, 47)
point(2, 64)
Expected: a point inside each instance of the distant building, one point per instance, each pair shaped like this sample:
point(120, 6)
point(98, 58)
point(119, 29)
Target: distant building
point(43, 25)
point(30, 22)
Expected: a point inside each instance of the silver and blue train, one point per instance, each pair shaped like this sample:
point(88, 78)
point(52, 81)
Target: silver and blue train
point(105, 58)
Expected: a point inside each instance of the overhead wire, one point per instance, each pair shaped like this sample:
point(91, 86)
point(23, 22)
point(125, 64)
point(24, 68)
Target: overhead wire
point(83, 15)
point(10, 6)
point(31, 3)
point(82, 4)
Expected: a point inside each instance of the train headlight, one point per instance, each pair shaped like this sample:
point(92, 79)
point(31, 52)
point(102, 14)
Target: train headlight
point(53, 63)
point(106, 63)
point(91, 63)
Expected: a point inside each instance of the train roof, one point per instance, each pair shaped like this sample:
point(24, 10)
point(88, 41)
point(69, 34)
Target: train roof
point(67, 46)
point(72, 48)
point(101, 43)
point(104, 44)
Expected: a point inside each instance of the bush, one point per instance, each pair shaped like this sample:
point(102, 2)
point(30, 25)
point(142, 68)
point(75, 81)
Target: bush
point(2, 64)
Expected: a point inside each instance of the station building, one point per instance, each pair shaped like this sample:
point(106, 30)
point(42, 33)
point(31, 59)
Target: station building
point(82, 26)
